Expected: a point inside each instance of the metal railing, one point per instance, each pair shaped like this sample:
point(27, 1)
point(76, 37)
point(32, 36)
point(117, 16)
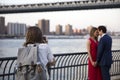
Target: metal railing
point(71, 66)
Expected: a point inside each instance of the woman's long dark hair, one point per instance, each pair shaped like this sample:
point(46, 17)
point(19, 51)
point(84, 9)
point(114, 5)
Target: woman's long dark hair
point(33, 35)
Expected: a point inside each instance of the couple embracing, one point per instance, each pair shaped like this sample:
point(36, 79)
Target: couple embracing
point(99, 54)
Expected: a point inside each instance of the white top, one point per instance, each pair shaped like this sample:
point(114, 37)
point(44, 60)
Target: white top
point(44, 54)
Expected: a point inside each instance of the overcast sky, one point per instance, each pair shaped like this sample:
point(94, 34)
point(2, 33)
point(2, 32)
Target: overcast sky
point(78, 19)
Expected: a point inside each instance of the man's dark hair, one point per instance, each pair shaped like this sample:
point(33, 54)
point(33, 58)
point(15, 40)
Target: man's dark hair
point(103, 28)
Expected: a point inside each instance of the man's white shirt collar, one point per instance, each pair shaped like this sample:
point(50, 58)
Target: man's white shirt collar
point(99, 37)
point(103, 35)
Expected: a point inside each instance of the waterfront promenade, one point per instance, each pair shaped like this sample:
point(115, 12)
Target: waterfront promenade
point(70, 66)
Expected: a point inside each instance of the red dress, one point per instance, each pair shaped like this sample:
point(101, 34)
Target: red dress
point(94, 73)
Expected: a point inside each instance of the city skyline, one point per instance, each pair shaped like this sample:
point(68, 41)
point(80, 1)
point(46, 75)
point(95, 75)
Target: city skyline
point(78, 19)
point(19, 29)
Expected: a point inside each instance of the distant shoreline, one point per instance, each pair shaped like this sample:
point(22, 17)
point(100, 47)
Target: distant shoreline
point(59, 37)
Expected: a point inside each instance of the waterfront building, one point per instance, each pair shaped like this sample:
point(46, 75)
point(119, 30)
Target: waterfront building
point(2, 25)
point(68, 30)
point(44, 26)
point(75, 31)
point(59, 29)
point(84, 31)
point(16, 29)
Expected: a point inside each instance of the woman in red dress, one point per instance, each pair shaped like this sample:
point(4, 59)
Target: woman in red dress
point(94, 72)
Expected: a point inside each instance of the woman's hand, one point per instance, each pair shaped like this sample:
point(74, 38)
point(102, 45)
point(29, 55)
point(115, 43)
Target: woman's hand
point(52, 63)
point(39, 68)
point(93, 63)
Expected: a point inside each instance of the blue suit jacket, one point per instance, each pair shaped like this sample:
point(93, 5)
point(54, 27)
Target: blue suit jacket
point(104, 54)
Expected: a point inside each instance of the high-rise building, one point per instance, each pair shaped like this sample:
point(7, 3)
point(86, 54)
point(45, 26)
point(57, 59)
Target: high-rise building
point(2, 25)
point(79, 31)
point(58, 29)
point(16, 29)
point(44, 26)
point(76, 31)
point(68, 29)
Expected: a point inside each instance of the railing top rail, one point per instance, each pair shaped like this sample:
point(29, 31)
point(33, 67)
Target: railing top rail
point(8, 58)
point(59, 54)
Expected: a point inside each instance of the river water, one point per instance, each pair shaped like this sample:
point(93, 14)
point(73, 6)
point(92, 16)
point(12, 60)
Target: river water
point(9, 47)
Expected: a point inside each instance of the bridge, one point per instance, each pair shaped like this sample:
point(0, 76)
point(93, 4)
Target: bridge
point(60, 6)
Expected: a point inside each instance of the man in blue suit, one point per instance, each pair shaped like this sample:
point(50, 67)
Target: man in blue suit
point(104, 54)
